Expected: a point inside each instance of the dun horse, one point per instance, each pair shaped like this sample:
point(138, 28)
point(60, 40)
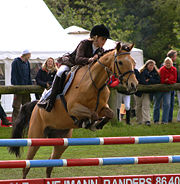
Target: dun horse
point(87, 103)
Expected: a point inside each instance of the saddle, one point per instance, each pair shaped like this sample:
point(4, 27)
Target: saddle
point(68, 82)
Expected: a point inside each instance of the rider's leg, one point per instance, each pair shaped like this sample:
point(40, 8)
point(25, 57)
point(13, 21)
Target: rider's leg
point(57, 88)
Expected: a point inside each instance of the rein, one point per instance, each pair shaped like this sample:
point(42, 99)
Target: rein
point(109, 72)
point(121, 75)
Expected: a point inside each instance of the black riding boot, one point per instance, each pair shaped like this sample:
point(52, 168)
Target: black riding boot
point(118, 114)
point(56, 89)
point(128, 113)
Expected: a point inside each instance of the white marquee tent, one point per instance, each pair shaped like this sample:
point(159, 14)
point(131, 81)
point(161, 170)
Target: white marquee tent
point(29, 24)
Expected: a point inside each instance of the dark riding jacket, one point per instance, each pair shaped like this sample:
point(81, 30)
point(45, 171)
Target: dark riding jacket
point(153, 77)
point(43, 77)
point(20, 72)
point(81, 55)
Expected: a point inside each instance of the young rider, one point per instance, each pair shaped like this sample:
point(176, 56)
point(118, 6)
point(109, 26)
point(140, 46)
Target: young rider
point(86, 52)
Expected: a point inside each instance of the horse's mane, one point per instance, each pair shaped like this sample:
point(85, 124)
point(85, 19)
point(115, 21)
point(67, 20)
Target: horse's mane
point(105, 52)
point(125, 47)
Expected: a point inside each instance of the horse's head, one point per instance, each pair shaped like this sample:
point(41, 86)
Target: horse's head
point(124, 66)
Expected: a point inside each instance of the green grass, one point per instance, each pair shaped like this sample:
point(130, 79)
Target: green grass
point(111, 130)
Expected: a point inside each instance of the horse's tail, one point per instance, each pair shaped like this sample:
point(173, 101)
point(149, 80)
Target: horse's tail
point(21, 124)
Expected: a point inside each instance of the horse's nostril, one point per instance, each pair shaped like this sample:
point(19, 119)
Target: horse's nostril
point(133, 86)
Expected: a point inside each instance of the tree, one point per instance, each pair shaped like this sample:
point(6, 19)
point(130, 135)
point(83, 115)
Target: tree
point(153, 25)
point(86, 14)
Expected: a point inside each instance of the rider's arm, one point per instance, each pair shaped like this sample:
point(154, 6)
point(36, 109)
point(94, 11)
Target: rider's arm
point(81, 58)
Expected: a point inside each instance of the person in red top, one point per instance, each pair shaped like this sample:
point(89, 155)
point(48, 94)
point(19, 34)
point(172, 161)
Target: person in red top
point(168, 72)
point(168, 75)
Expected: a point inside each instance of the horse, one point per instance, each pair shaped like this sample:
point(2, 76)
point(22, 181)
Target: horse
point(86, 102)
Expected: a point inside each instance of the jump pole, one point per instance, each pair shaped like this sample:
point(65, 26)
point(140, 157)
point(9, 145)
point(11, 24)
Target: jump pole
point(90, 141)
point(89, 161)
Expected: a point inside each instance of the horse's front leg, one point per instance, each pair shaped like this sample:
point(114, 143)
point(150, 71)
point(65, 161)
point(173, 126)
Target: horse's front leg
point(107, 114)
point(83, 116)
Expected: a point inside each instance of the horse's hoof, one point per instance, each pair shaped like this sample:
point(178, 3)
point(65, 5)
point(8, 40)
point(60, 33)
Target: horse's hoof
point(93, 127)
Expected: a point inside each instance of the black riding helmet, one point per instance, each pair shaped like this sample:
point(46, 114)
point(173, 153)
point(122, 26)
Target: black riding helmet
point(100, 30)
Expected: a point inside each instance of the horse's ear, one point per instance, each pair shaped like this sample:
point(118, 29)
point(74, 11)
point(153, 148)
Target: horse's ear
point(131, 46)
point(118, 46)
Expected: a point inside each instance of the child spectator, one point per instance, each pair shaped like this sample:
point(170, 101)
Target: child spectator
point(148, 75)
point(46, 73)
point(168, 75)
point(173, 55)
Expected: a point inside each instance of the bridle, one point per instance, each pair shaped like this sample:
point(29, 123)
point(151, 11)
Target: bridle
point(120, 75)
point(109, 73)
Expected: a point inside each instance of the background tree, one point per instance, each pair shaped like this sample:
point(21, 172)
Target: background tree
point(86, 14)
point(153, 25)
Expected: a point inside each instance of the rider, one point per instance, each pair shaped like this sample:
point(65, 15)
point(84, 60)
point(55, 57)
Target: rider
point(86, 52)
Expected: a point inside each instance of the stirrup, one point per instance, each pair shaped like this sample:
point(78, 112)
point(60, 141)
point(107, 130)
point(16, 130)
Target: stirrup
point(47, 105)
point(42, 104)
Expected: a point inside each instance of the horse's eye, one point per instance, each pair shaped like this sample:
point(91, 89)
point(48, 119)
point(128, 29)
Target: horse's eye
point(120, 62)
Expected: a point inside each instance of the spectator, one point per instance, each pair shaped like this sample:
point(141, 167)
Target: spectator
point(46, 74)
point(20, 75)
point(173, 55)
point(121, 98)
point(168, 75)
point(133, 107)
point(148, 75)
point(178, 93)
point(126, 99)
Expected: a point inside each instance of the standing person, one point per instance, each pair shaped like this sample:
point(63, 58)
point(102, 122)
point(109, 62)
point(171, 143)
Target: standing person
point(121, 98)
point(168, 75)
point(20, 75)
point(178, 92)
point(148, 75)
point(126, 99)
point(86, 52)
point(46, 73)
point(173, 55)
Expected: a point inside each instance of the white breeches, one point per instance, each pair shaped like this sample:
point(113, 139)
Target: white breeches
point(62, 69)
point(123, 98)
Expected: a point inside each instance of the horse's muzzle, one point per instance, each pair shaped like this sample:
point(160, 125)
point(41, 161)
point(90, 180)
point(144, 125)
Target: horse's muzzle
point(132, 88)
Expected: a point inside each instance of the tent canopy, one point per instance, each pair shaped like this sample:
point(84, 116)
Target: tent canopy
point(29, 24)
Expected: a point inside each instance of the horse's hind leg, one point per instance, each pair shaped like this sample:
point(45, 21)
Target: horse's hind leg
point(35, 131)
point(57, 153)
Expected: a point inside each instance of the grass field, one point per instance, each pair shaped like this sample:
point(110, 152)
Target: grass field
point(113, 129)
